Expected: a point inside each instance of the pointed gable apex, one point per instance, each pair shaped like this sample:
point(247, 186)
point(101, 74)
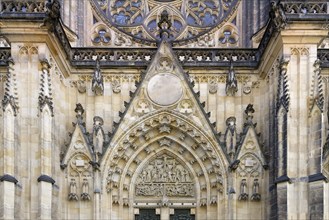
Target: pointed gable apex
point(79, 143)
point(249, 143)
point(164, 87)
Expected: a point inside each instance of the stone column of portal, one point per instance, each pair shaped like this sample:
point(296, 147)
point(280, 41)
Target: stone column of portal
point(8, 181)
point(45, 180)
point(97, 194)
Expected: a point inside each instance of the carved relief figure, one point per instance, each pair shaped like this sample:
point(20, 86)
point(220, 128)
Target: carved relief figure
point(243, 190)
point(73, 191)
point(85, 190)
point(164, 176)
point(255, 191)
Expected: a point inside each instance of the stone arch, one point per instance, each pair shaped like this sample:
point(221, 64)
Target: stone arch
point(154, 133)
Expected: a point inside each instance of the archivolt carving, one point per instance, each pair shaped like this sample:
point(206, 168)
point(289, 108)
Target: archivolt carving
point(145, 139)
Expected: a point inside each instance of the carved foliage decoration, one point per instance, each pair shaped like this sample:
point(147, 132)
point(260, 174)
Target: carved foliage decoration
point(10, 96)
point(283, 89)
point(317, 90)
point(164, 176)
point(45, 94)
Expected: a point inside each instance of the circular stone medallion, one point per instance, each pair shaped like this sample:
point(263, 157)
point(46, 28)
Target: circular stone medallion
point(164, 89)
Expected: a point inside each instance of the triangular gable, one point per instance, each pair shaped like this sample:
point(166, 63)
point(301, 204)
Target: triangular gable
point(164, 86)
point(249, 144)
point(79, 144)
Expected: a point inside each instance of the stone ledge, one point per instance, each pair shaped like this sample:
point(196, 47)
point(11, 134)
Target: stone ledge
point(8, 178)
point(317, 177)
point(282, 179)
point(46, 178)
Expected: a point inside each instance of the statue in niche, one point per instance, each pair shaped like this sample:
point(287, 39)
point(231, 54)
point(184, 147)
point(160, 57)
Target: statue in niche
point(243, 190)
point(231, 82)
point(98, 137)
point(231, 136)
point(85, 190)
point(255, 191)
point(97, 84)
point(73, 191)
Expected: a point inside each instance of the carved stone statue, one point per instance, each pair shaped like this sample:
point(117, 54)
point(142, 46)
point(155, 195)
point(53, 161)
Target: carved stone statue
point(231, 136)
point(243, 190)
point(73, 191)
point(231, 82)
point(278, 16)
point(98, 136)
point(97, 84)
point(53, 14)
point(255, 191)
point(85, 190)
point(249, 112)
point(164, 25)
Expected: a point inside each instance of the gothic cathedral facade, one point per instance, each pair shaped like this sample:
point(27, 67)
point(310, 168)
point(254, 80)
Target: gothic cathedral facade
point(164, 109)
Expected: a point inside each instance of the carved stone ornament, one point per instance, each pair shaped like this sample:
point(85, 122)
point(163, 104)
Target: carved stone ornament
point(98, 136)
point(278, 16)
point(186, 106)
point(164, 176)
point(165, 64)
point(249, 166)
point(243, 190)
point(231, 136)
point(116, 86)
point(85, 190)
point(255, 191)
point(213, 87)
point(97, 84)
point(53, 14)
point(73, 191)
point(231, 82)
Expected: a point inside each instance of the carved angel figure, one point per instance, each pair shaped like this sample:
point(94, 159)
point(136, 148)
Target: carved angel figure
point(97, 84)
